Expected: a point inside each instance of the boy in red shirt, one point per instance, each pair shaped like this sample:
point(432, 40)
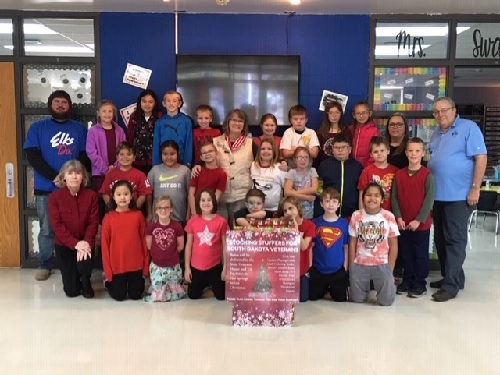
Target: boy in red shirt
point(204, 132)
point(210, 177)
point(412, 200)
point(380, 171)
point(125, 154)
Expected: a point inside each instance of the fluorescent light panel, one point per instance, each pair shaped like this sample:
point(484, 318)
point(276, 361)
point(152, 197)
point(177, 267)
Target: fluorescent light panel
point(393, 50)
point(392, 31)
point(28, 28)
point(54, 49)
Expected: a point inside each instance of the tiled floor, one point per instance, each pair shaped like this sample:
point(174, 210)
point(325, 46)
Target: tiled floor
point(43, 332)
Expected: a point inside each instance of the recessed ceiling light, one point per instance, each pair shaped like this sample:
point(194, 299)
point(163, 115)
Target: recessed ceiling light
point(295, 2)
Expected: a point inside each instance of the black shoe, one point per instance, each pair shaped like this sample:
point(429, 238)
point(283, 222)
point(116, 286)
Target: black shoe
point(436, 284)
point(417, 292)
point(398, 272)
point(442, 296)
point(402, 289)
point(88, 293)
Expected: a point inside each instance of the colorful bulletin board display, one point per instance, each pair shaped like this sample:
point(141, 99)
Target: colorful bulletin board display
point(262, 275)
point(408, 88)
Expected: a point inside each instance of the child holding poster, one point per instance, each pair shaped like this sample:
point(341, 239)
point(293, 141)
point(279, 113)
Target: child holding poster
point(254, 208)
point(292, 210)
point(205, 252)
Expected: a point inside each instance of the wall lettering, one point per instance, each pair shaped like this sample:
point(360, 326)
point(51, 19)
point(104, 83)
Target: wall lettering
point(412, 45)
point(484, 47)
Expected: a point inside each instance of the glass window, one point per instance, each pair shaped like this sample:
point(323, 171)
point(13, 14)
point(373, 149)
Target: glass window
point(410, 40)
point(408, 88)
point(59, 37)
point(6, 45)
point(478, 40)
point(30, 184)
point(40, 80)
point(32, 230)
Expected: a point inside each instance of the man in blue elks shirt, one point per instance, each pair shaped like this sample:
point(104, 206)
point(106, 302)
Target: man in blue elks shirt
point(51, 142)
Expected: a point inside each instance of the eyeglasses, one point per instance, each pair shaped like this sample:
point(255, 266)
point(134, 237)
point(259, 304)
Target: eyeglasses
point(301, 157)
point(163, 208)
point(340, 148)
point(207, 152)
point(364, 113)
point(396, 124)
point(441, 111)
point(236, 120)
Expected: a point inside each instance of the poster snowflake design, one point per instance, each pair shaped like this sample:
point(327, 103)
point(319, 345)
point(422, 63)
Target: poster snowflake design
point(262, 279)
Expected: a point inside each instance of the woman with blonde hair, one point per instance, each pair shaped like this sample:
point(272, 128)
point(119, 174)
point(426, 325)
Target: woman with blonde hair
point(74, 217)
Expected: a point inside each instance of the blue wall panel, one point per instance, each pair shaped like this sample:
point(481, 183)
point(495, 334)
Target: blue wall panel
point(144, 39)
point(333, 49)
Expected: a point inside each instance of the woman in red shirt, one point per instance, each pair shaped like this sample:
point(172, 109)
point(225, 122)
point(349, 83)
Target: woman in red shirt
point(74, 217)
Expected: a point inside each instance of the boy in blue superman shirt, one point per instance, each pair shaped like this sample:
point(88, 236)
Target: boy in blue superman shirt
point(329, 256)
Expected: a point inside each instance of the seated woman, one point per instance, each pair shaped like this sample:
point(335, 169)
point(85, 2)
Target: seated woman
point(74, 216)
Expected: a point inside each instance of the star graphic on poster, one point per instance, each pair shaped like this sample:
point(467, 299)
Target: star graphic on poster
point(206, 236)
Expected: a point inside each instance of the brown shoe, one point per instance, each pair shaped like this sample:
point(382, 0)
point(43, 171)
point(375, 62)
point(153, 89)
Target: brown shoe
point(42, 275)
point(442, 296)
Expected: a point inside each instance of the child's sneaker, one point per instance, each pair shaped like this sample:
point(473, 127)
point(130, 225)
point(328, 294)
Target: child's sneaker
point(417, 292)
point(402, 289)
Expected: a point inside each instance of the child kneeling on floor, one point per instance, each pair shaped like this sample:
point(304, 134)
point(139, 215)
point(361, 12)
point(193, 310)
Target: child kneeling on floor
point(373, 248)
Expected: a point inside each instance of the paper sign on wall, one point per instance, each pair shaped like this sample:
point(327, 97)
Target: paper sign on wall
point(330, 96)
point(137, 76)
point(127, 112)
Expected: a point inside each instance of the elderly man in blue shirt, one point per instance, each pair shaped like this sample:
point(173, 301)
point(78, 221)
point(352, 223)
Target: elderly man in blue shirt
point(458, 162)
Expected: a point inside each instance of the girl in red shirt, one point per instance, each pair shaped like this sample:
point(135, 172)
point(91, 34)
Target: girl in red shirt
point(361, 132)
point(125, 257)
point(292, 210)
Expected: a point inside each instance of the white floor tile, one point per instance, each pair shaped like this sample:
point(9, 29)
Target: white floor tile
point(43, 332)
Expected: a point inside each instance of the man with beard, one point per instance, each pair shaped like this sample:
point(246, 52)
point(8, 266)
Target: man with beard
point(49, 143)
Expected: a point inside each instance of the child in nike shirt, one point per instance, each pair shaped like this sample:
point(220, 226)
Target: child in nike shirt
point(329, 261)
point(170, 178)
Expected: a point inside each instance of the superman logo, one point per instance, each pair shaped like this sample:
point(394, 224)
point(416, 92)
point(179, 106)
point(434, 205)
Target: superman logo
point(328, 235)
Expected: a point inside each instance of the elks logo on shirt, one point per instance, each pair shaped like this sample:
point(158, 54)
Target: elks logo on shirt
point(328, 235)
point(62, 140)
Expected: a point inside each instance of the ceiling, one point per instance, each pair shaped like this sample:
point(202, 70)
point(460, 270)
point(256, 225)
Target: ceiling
point(263, 6)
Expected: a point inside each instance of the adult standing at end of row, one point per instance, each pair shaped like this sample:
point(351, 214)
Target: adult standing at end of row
point(50, 143)
point(458, 162)
point(397, 134)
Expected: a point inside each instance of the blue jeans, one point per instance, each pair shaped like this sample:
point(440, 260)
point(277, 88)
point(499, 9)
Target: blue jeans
point(450, 236)
point(46, 234)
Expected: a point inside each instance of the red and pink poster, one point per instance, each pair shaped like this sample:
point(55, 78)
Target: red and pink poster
point(262, 279)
